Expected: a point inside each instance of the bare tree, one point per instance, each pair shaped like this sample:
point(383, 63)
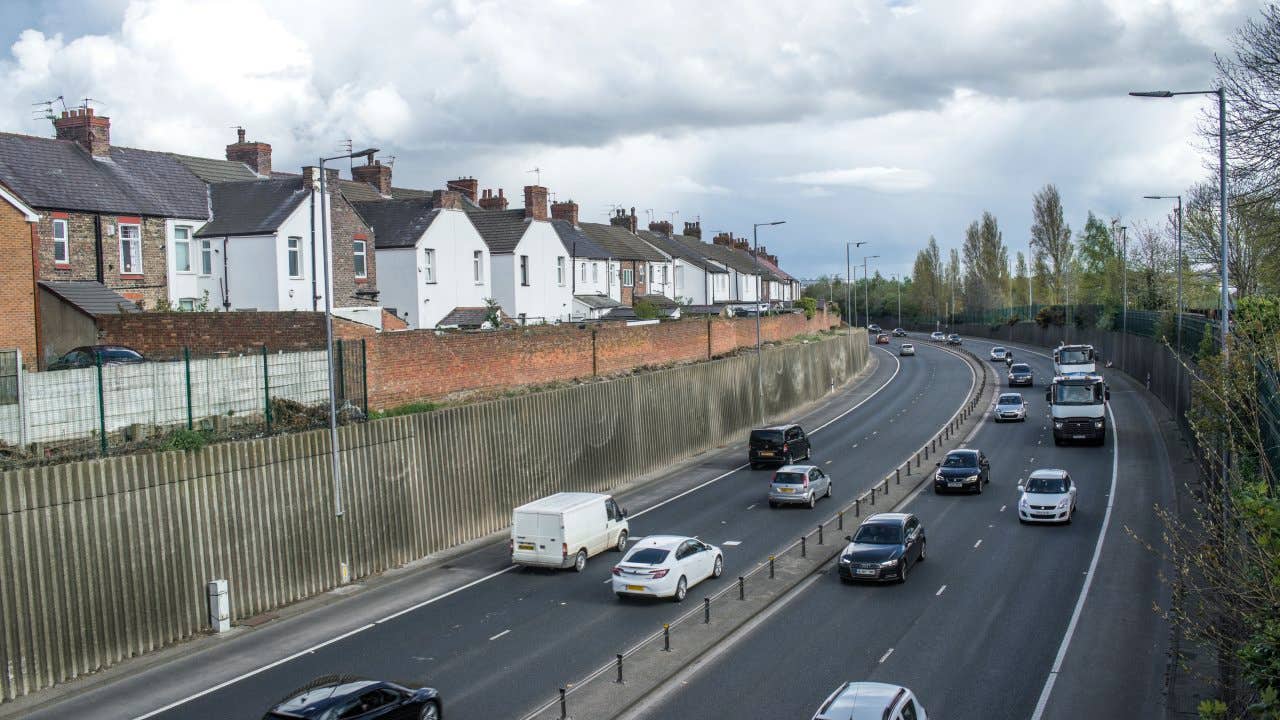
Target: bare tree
point(1051, 239)
point(1250, 74)
point(1253, 238)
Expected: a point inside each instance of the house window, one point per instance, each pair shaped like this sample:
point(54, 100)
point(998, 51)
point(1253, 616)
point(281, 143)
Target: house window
point(595, 272)
point(61, 248)
point(206, 257)
point(361, 261)
point(182, 249)
point(130, 249)
point(628, 277)
point(664, 275)
point(679, 278)
point(560, 271)
point(524, 270)
point(428, 265)
point(477, 266)
point(584, 272)
point(187, 304)
point(640, 272)
point(295, 257)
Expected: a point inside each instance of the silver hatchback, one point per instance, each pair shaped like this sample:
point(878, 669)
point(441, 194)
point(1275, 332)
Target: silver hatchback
point(798, 485)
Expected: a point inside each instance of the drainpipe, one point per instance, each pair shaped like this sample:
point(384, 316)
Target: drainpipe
point(226, 278)
point(97, 246)
point(315, 298)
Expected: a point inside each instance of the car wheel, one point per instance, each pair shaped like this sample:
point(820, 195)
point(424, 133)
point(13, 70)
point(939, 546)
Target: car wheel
point(1021, 521)
point(808, 453)
point(754, 466)
point(718, 569)
point(773, 504)
point(1069, 514)
point(813, 500)
point(902, 571)
point(622, 542)
point(979, 490)
point(580, 561)
point(682, 589)
point(1056, 441)
point(787, 459)
point(430, 712)
point(828, 489)
point(923, 545)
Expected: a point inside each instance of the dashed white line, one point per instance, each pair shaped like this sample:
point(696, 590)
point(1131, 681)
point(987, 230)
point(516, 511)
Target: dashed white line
point(1002, 507)
point(504, 632)
point(975, 545)
point(752, 505)
point(940, 591)
point(885, 656)
point(731, 543)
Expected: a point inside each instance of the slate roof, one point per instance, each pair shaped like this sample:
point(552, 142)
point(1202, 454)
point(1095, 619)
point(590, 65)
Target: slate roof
point(577, 242)
point(620, 243)
point(622, 313)
point(90, 297)
point(49, 173)
point(465, 317)
point(738, 260)
point(500, 229)
point(597, 302)
point(684, 250)
point(253, 207)
point(397, 223)
point(212, 170)
point(778, 272)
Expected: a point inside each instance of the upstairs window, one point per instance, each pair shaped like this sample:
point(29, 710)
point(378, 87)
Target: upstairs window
point(628, 277)
point(206, 257)
point(361, 260)
point(182, 249)
point(295, 257)
point(524, 270)
point(477, 266)
point(130, 249)
point(584, 272)
point(428, 265)
point(61, 246)
point(560, 271)
point(595, 272)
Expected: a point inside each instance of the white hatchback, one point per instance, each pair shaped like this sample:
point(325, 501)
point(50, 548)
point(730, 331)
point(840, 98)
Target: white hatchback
point(666, 566)
point(907, 349)
point(1048, 496)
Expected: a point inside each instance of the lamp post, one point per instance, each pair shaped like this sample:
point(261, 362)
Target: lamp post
point(1177, 386)
point(850, 296)
point(755, 255)
point(866, 297)
point(328, 324)
point(895, 282)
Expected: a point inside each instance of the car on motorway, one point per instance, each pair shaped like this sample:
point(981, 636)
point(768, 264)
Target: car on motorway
point(782, 444)
point(338, 698)
point(874, 328)
point(1010, 407)
point(798, 485)
point(871, 701)
point(907, 349)
point(999, 353)
point(563, 530)
point(1048, 496)
point(964, 469)
point(937, 337)
point(899, 332)
point(884, 547)
point(953, 339)
point(666, 566)
point(882, 339)
point(87, 356)
point(1020, 374)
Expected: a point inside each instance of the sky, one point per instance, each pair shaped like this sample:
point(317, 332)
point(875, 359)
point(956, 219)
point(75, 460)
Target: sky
point(885, 121)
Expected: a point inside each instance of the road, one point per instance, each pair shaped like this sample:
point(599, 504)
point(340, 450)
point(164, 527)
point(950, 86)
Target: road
point(497, 641)
point(977, 628)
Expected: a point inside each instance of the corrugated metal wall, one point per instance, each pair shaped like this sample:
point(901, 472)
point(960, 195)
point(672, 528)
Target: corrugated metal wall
point(107, 559)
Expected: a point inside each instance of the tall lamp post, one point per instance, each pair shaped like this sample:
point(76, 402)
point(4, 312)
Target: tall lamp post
point(850, 296)
point(328, 324)
point(895, 282)
point(755, 255)
point(867, 294)
point(1177, 387)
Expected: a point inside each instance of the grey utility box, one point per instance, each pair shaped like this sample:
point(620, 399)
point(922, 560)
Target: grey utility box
point(219, 606)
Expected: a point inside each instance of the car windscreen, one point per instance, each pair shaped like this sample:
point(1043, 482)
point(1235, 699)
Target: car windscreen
point(961, 460)
point(1010, 400)
point(649, 556)
point(908, 346)
point(879, 534)
point(1073, 357)
point(997, 349)
point(1020, 368)
point(1077, 394)
point(789, 478)
point(120, 355)
point(1046, 485)
point(768, 437)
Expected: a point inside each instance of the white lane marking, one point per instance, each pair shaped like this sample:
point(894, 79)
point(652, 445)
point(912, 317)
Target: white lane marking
point(828, 462)
point(731, 543)
point(1002, 507)
point(438, 598)
point(940, 591)
point(752, 505)
point(885, 656)
point(1089, 575)
point(504, 632)
point(975, 545)
point(250, 674)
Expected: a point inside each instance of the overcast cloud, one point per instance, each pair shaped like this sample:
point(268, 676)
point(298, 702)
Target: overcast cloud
point(851, 120)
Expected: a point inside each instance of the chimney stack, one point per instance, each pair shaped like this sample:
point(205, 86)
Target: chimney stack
point(622, 219)
point(446, 199)
point(662, 226)
point(566, 210)
point(742, 244)
point(310, 177)
point(257, 155)
point(724, 238)
point(374, 173)
point(489, 201)
point(468, 186)
point(89, 131)
point(535, 202)
point(693, 229)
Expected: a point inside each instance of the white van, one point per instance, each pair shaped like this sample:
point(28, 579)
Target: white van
point(563, 530)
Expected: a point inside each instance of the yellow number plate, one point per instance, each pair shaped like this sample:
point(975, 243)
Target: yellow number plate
point(786, 490)
point(526, 546)
point(636, 588)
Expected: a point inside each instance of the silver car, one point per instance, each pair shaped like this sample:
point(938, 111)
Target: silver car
point(798, 485)
point(871, 701)
point(1011, 407)
point(907, 349)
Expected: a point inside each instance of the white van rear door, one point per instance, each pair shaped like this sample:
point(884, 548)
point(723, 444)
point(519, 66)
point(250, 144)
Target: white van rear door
point(537, 535)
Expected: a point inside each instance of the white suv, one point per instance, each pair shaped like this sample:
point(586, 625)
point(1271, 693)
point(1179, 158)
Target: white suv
point(858, 700)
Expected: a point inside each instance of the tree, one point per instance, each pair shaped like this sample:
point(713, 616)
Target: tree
point(927, 282)
point(986, 262)
point(1250, 75)
point(1151, 268)
point(1020, 280)
point(1051, 239)
point(954, 291)
point(1099, 264)
point(1253, 238)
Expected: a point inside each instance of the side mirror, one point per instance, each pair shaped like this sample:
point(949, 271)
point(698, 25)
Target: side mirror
point(1021, 489)
point(1107, 393)
point(848, 538)
point(1048, 396)
point(623, 512)
point(937, 464)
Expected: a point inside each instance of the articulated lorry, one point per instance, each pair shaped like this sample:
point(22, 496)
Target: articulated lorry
point(1074, 360)
point(1078, 404)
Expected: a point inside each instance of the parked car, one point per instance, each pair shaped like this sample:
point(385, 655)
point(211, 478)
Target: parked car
point(798, 485)
point(907, 349)
point(937, 337)
point(885, 547)
point(882, 339)
point(91, 355)
point(874, 328)
point(999, 353)
point(563, 530)
point(1049, 496)
point(666, 566)
point(899, 332)
point(782, 444)
point(963, 469)
point(1011, 407)
point(1020, 374)
point(871, 701)
point(953, 339)
point(339, 697)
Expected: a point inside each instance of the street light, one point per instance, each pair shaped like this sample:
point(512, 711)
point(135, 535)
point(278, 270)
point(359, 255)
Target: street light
point(755, 255)
point(867, 294)
point(1177, 387)
point(328, 324)
point(849, 296)
point(895, 282)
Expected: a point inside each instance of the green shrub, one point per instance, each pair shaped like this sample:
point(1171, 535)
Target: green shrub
point(188, 440)
point(407, 409)
point(646, 310)
point(810, 306)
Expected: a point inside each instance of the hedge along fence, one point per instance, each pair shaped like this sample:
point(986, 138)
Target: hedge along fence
point(107, 559)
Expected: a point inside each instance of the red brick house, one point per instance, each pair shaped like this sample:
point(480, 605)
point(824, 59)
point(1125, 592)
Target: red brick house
point(18, 327)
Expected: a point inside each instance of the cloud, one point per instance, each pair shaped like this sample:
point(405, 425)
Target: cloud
point(683, 184)
point(815, 192)
point(880, 179)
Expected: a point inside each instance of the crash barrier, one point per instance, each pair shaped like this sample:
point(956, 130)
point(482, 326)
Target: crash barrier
point(657, 657)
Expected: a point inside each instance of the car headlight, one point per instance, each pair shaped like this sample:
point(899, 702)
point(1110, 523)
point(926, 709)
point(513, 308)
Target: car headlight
point(938, 476)
point(846, 559)
point(1097, 424)
point(1022, 503)
point(971, 478)
point(1062, 504)
point(1057, 426)
point(889, 563)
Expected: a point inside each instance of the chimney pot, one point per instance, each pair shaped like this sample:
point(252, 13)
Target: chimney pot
point(535, 202)
point(257, 155)
point(468, 186)
point(374, 173)
point(566, 210)
point(240, 135)
point(89, 132)
point(494, 202)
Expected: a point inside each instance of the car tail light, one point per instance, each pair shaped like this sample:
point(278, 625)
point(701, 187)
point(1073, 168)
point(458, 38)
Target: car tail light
point(617, 570)
point(806, 481)
point(784, 447)
point(511, 546)
point(564, 549)
point(659, 574)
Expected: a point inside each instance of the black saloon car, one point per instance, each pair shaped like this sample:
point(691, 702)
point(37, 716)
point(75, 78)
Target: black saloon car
point(1020, 374)
point(92, 355)
point(965, 469)
point(884, 548)
point(781, 444)
point(338, 698)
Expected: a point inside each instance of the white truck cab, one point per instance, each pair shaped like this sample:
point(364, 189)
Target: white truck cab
point(1078, 405)
point(563, 530)
point(1075, 360)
